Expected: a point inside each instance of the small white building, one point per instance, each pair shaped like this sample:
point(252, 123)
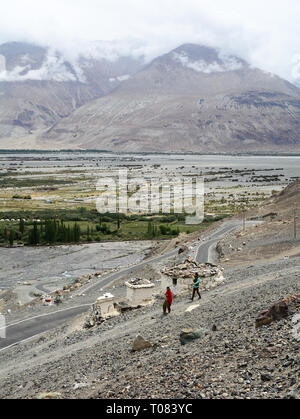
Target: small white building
point(105, 306)
point(139, 292)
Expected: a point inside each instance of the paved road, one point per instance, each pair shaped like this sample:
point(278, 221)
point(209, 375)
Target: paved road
point(25, 329)
point(34, 326)
point(204, 251)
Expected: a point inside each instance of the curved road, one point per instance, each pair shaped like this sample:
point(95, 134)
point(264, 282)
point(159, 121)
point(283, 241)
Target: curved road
point(205, 250)
point(28, 328)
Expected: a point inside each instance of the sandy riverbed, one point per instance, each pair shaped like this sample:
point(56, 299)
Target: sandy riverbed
point(27, 269)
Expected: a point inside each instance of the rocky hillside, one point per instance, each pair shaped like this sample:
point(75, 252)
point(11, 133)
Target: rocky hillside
point(39, 86)
point(229, 359)
point(193, 99)
point(281, 205)
point(273, 238)
point(214, 348)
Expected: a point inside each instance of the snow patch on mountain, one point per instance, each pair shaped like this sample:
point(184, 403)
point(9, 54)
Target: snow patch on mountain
point(120, 78)
point(225, 63)
point(54, 68)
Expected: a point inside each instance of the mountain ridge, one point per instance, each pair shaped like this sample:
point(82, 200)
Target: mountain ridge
point(192, 99)
point(38, 86)
point(170, 106)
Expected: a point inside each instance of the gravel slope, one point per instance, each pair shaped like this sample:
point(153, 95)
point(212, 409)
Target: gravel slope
point(235, 361)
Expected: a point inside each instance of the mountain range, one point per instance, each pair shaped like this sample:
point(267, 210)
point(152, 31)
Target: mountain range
point(192, 99)
point(39, 87)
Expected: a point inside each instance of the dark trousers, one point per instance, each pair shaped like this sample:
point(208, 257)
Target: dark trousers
point(167, 306)
point(196, 290)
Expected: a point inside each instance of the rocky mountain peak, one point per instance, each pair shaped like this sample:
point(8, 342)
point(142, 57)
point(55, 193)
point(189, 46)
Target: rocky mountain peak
point(194, 98)
point(202, 59)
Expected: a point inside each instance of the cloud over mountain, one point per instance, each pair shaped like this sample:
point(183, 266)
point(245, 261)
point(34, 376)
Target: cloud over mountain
point(264, 33)
point(194, 98)
point(53, 68)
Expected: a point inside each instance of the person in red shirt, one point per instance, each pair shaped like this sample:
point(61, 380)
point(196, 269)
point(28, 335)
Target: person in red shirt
point(168, 302)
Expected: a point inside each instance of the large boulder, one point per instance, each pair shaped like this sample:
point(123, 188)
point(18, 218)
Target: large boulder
point(277, 311)
point(189, 335)
point(140, 344)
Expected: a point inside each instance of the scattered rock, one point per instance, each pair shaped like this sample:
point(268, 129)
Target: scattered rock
point(265, 377)
point(49, 396)
point(189, 335)
point(140, 344)
point(277, 311)
point(211, 275)
point(94, 318)
point(293, 395)
point(77, 386)
point(183, 249)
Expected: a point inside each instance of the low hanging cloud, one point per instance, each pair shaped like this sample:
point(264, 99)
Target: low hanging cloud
point(224, 63)
point(264, 33)
point(53, 68)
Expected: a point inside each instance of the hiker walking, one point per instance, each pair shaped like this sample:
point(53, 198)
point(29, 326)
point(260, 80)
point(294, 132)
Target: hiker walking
point(196, 285)
point(168, 301)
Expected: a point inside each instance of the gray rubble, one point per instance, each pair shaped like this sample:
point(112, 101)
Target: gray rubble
point(211, 276)
point(234, 360)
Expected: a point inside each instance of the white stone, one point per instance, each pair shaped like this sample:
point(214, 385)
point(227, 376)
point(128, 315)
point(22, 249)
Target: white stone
point(192, 308)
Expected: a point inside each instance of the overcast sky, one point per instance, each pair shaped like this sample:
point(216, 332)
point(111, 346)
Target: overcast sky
point(264, 32)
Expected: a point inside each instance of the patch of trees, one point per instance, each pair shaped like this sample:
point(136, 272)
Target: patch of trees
point(47, 232)
point(53, 231)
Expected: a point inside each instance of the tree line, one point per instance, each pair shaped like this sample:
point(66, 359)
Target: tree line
point(49, 231)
